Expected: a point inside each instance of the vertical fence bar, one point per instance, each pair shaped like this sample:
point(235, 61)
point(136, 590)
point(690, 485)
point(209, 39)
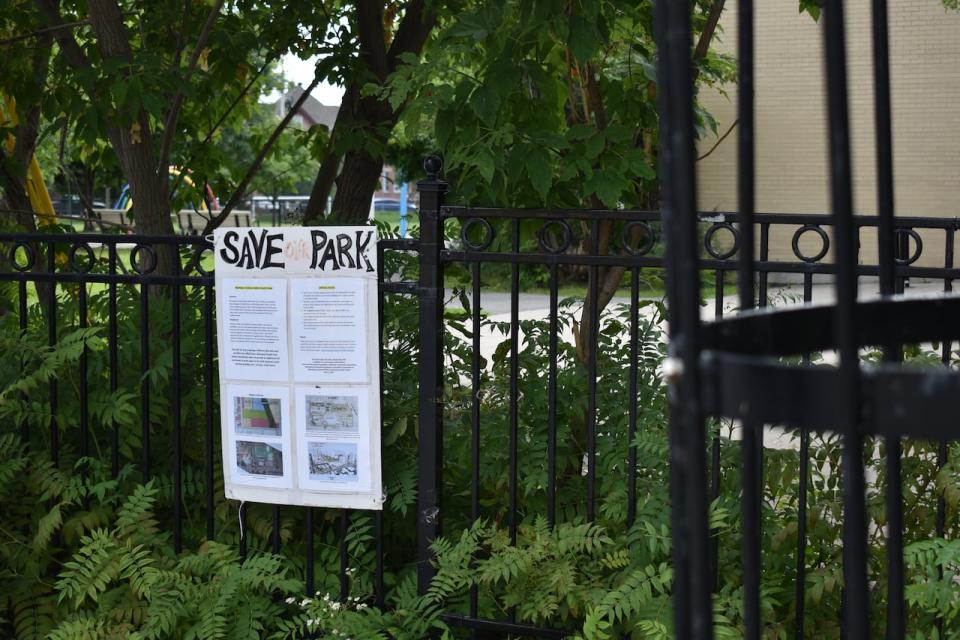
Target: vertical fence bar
point(715, 451)
point(144, 381)
point(275, 529)
point(800, 587)
point(856, 588)
point(344, 555)
point(430, 444)
point(751, 474)
point(22, 317)
point(208, 311)
point(113, 364)
point(52, 342)
point(242, 522)
point(678, 480)
point(309, 581)
point(514, 378)
point(945, 359)
point(942, 451)
point(83, 365)
point(764, 277)
point(552, 402)
point(718, 294)
point(475, 416)
point(632, 386)
point(593, 336)
point(378, 590)
point(693, 610)
point(885, 252)
point(175, 291)
point(514, 389)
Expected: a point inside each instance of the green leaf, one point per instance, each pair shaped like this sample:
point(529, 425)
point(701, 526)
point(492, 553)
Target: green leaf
point(539, 170)
point(595, 144)
point(584, 38)
point(607, 186)
point(485, 163)
point(485, 103)
point(444, 125)
point(580, 132)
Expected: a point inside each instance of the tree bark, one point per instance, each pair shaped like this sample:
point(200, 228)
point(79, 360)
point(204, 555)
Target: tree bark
point(134, 142)
point(134, 145)
point(357, 175)
point(355, 186)
point(330, 165)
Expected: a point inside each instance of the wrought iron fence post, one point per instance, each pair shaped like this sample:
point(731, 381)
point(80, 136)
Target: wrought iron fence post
point(430, 446)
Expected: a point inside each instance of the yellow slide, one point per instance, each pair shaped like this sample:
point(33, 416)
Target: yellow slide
point(36, 187)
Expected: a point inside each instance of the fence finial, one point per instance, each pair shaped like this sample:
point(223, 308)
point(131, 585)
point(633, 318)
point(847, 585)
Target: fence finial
point(433, 165)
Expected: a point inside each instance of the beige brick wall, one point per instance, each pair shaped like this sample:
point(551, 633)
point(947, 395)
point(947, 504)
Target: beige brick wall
point(792, 172)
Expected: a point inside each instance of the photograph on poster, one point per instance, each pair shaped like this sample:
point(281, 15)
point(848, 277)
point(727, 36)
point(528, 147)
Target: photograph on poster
point(260, 458)
point(339, 414)
point(332, 461)
point(257, 416)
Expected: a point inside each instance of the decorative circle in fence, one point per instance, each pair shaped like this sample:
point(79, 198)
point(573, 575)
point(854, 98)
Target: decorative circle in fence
point(81, 265)
point(649, 238)
point(485, 240)
point(544, 236)
point(28, 253)
point(824, 239)
point(712, 231)
point(909, 233)
point(137, 264)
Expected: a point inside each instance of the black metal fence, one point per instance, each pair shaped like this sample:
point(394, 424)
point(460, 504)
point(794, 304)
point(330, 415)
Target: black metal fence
point(172, 433)
point(733, 368)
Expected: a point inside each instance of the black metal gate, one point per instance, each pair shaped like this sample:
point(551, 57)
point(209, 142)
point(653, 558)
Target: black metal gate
point(732, 368)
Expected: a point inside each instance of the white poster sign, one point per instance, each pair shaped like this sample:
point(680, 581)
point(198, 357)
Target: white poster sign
point(299, 373)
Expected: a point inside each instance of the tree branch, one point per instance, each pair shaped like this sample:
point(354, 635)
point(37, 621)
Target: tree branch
point(719, 140)
point(706, 36)
point(169, 127)
point(241, 189)
point(415, 27)
point(68, 45)
point(223, 118)
point(28, 132)
point(371, 37)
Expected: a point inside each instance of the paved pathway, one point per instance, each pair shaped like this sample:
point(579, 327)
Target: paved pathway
point(496, 306)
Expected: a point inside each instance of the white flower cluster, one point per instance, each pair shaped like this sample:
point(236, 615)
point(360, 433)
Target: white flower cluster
point(327, 603)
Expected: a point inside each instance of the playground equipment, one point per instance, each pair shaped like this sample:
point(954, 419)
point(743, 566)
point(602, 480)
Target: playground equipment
point(125, 201)
point(36, 187)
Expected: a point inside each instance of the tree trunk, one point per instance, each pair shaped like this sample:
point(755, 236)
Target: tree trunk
point(360, 170)
point(330, 165)
point(15, 194)
point(355, 187)
point(609, 278)
point(134, 144)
